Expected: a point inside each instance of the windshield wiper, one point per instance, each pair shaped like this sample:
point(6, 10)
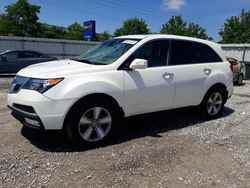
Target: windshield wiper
point(98, 63)
point(82, 60)
point(87, 61)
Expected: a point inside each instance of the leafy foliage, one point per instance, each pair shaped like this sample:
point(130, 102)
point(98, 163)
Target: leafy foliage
point(133, 26)
point(20, 19)
point(48, 31)
point(74, 32)
point(103, 36)
point(178, 26)
point(5, 27)
point(236, 29)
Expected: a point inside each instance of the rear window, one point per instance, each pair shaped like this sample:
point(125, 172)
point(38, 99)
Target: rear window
point(187, 52)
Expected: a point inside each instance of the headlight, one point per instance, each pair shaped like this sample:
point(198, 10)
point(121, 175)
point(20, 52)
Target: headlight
point(41, 85)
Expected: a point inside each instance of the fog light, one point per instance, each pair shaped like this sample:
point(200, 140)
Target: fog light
point(32, 122)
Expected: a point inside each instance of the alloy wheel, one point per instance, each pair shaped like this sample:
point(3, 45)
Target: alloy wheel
point(214, 103)
point(95, 124)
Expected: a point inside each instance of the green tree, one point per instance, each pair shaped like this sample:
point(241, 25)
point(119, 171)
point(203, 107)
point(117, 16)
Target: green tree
point(5, 27)
point(133, 26)
point(176, 25)
point(194, 30)
point(74, 32)
point(20, 19)
point(103, 36)
point(50, 31)
point(236, 29)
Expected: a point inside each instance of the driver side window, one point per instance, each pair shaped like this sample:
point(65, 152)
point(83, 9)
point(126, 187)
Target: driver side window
point(11, 56)
point(155, 52)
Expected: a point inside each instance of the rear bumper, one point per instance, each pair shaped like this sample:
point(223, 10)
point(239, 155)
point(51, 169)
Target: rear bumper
point(230, 88)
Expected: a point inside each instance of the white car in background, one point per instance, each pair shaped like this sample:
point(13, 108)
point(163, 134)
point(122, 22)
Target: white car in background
point(239, 70)
point(88, 96)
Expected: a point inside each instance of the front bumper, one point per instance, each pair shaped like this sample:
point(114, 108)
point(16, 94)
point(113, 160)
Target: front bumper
point(22, 116)
point(50, 114)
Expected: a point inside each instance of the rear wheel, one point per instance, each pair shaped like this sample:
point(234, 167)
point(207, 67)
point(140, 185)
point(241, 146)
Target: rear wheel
point(240, 80)
point(212, 104)
point(92, 122)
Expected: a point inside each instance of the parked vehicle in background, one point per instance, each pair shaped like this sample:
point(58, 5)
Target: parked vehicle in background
point(14, 60)
point(239, 70)
point(88, 96)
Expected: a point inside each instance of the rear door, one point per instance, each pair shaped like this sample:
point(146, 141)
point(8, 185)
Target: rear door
point(28, 58)
point(193, 64)
point(42, 57)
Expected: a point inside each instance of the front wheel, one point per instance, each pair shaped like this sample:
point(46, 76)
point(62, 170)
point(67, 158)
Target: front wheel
point(92, 122)
point(212, 104)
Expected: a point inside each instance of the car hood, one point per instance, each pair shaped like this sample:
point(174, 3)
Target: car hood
point(59, 68)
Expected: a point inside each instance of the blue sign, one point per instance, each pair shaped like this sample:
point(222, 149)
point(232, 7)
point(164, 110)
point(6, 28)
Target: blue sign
point(89, 29)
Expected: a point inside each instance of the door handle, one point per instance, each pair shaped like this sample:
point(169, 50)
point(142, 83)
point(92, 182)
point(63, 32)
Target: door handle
point(207, 71)
point(167, 75)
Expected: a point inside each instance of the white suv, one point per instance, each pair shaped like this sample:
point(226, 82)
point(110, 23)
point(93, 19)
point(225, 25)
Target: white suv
point(88, 96)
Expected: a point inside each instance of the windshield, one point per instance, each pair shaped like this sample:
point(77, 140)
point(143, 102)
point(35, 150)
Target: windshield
point(107, 52)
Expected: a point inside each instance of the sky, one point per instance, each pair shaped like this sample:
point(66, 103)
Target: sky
point(110, 14)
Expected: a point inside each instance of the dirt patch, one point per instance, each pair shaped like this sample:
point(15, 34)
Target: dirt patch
point(167, 149)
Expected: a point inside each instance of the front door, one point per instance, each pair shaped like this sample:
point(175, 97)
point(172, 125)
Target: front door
point(9, 62)
point(153, 88)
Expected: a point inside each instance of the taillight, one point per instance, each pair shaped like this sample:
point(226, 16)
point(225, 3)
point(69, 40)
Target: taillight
point(232, 68)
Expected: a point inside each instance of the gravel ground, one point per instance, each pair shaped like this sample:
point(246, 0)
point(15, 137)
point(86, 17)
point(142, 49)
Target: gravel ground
point(5, 81)
point(167, 149)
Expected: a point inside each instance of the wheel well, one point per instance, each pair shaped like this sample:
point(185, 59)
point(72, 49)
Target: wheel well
point(91, 97)
point(240, 74)
point(222, 88)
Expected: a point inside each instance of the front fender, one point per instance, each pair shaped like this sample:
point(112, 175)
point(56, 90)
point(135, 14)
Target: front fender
point(77, 87)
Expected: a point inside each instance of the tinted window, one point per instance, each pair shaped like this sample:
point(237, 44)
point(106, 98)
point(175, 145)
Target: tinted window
point(186, 52)
point(27, 54)
point(156, 52)
point(11, 56)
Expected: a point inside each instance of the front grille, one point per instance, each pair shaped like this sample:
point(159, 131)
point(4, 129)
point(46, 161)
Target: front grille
point(24, 108)
point(18, 83)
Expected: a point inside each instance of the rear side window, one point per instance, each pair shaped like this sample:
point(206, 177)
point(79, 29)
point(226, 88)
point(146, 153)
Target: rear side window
point(27, 54)
point(187, 52)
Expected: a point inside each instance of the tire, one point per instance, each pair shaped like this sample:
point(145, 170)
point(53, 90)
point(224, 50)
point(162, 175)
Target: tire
point(240, 80)
point(212, 104)
point(92, 122)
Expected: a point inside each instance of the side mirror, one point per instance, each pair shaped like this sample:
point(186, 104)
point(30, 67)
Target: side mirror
point(3, 58)
point(138, 64)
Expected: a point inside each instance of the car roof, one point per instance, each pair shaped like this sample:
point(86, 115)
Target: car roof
point(142, 36)
point(7, 51)
point(148, 37)
point(167, 36)
point(132, 36)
